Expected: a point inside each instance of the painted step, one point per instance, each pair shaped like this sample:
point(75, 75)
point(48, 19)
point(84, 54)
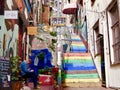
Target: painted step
point(75, 36)
point(80, 71)
point(80, 68)
point(76, 80)
point(79, 51)
point(81, 62)
point(77, 43)
point(78, 48)
point(76, 39)
point(81, 76)
point(82, 84)
point(78, 64)
point(77, 58)
point(77, 54)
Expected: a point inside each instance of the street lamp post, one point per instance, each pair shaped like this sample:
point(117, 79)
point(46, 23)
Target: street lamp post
point(59, 45)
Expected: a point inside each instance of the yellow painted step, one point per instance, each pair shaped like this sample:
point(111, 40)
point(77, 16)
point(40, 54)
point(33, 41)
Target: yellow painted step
point(81, 80)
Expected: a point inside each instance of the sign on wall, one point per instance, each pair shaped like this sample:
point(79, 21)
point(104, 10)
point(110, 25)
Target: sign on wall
point(58, 21)
point(31, 30)
point(11, 14)
point(5, 73)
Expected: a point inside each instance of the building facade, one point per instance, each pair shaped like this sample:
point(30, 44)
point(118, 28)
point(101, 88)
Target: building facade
point(104, 38)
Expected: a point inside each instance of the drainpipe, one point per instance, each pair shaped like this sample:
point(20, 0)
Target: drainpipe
point(27, 47)
point(108, 52)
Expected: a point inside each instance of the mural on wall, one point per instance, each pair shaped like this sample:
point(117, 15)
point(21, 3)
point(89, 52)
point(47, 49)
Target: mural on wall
point(11, 37)
point(2, 39)
point(8, 32)
point(37, 44)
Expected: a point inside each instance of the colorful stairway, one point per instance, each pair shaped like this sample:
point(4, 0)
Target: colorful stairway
point(78, 66)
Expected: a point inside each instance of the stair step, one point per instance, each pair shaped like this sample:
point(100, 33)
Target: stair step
point(80, 72)
point(88, 84)
point(77, 54)
point(81, 76)
point(78, 58)
point(78, 65)
point(80, 68)
point(78, 48)
point(76, 40)
point(78, 61)
point(79, 80)
point(77, 43)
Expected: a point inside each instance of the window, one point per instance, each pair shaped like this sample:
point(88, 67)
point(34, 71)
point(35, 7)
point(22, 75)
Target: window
point(81, 2)
point(114, 15)
point(68, 1)
point(92, 2)
point(97, 40)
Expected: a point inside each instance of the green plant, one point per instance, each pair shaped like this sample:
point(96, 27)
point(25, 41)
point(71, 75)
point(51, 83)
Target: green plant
point(53, 34)
point(14, 68)
point(52, 46)
point(40, 38)
point(65, 35)
point(41, 55)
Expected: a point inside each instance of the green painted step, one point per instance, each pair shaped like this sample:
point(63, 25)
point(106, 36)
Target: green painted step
point(77, 61)
point(81, 76)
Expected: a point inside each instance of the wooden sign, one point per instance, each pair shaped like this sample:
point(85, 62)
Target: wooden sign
point(32, 30)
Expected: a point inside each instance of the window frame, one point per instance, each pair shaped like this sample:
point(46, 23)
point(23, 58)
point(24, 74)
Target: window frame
point(114, 43)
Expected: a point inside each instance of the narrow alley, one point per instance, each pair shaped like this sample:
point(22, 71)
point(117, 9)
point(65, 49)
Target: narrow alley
point(59, 44)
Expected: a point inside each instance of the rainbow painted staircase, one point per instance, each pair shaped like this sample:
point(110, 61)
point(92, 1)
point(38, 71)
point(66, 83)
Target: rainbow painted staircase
point(78, 66)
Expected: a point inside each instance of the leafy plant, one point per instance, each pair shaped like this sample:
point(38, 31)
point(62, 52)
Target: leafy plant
point(41, 55)
point(14, 68)
point(65, 35)
point(53, 34)
point(52, 47)
point(40, 38)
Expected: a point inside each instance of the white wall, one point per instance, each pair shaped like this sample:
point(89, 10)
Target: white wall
point(98, 11)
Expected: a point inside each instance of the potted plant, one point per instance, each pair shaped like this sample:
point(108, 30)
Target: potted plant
point(14, 68)
point(15, 73)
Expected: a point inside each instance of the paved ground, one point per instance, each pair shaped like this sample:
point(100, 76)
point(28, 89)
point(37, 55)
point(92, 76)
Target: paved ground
point(49, 87)
point(94, 88)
